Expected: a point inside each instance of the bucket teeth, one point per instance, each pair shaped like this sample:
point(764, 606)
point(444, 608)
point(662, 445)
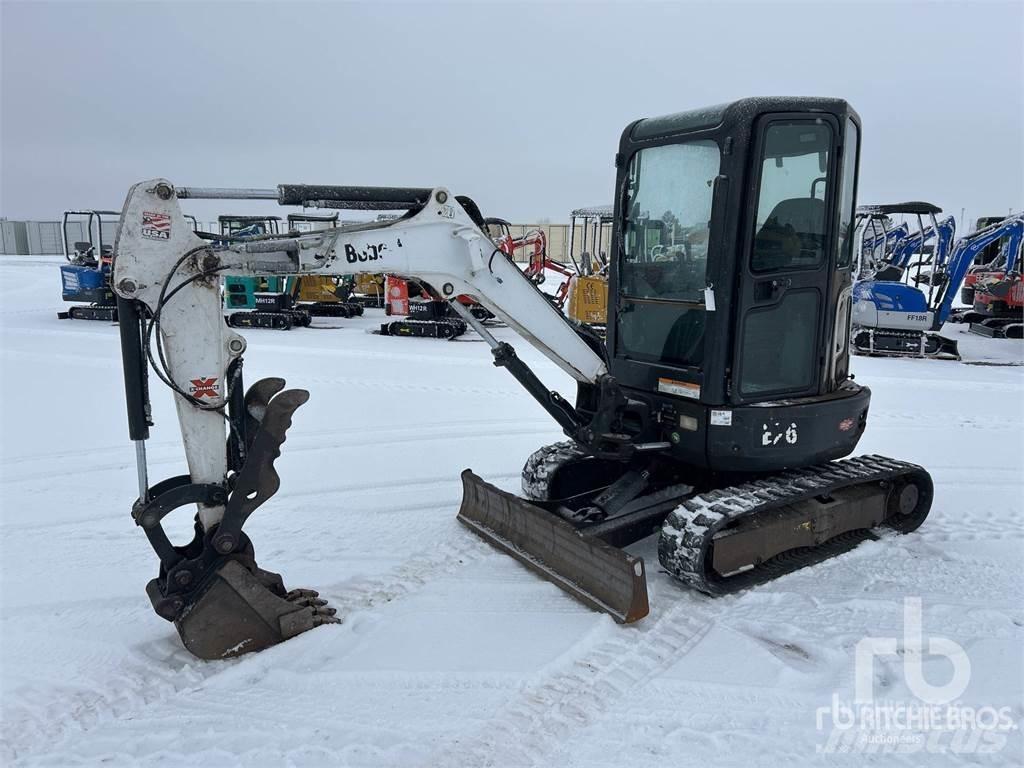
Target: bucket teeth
point(236, 612)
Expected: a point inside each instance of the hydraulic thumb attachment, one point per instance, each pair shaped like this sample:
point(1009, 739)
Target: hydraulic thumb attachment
point(221, 602)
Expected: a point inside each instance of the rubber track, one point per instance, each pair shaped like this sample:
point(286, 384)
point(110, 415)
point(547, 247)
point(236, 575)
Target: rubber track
point(457, 326)
point(861, 340)
point(542, 463)
point(278, 321)
point(688, 532)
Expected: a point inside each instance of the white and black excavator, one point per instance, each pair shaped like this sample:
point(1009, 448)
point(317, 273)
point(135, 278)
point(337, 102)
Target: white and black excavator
point(716, 412)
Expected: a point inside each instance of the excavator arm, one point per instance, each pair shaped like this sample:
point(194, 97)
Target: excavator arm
point(168, 280)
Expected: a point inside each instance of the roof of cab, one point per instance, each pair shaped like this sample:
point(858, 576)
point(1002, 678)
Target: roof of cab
point(595, 212)
point(915, 206)
point(742, 109)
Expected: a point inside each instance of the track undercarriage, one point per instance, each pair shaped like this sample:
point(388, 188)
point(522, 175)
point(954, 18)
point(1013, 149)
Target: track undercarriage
point(346, 309)
point(103, 312)
point(891, 342)
point(718, 535)
point(278, 320)
point(447, 328)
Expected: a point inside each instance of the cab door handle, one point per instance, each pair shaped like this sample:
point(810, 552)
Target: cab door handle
point(771, 290)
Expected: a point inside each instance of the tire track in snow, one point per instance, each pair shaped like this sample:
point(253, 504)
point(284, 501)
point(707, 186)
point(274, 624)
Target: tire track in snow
point(356, 594)
point(146, 675)
point(155, 673)
point(427, 432)
point(425, 483)
point(969, 525)
point(919, 421)
point(420, 483)
point(547, 712)
point(411, 386)
point(299, 443)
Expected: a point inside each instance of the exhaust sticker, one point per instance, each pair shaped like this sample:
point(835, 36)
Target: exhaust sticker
point(204, 388)
point(680, 388)
point(156, 226)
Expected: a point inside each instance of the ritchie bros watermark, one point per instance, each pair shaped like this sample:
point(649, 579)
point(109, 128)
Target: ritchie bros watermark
point(932, 720)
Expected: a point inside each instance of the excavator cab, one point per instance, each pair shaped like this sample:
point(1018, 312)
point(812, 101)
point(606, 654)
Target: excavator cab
point(731, 278)
point(729, 395)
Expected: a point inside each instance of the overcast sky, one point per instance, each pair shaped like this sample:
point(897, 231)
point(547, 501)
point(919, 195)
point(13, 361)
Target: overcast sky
point(519, 106)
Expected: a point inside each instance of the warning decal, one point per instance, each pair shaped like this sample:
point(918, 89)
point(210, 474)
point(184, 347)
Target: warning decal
point(680, 388)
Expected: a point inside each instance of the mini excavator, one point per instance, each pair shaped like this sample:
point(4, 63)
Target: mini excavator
point(716, 415)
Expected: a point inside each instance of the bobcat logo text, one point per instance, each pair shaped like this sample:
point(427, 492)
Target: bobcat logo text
point(372, 252)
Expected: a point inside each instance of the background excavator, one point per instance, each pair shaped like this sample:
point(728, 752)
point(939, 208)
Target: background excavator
point(86, 276)
point(900, 307)
point(276, 302)
point(258, 302)
point(318, 295)
point(994, 287)
point(586, 292)
point(716, 413)
point(422, 313)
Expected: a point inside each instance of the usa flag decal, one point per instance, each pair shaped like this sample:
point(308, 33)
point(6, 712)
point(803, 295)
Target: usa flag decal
point(156, 226)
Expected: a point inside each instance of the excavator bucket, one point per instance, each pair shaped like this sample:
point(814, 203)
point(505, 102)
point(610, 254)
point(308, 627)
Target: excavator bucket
point(599, 575)
point(246, 609)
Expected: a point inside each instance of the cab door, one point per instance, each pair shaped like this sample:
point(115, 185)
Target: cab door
point(786, 271)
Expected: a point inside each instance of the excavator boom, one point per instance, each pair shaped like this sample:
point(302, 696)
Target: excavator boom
point(168, 280)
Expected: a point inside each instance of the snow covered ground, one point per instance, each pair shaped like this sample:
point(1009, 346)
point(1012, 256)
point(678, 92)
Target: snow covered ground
point(451, 654)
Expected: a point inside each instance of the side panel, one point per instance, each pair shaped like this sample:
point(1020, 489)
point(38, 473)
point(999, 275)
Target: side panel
point(754, 438)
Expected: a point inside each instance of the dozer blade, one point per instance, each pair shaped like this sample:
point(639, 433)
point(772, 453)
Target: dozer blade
point(597, 574)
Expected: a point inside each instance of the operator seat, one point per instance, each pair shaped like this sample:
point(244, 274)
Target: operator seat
point(889, 274)
point(795, 225)
point(84, 253)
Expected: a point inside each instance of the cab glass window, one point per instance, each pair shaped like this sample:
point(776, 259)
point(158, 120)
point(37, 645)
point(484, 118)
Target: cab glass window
point(668, 211)
point(790, 225)
point(847, 202)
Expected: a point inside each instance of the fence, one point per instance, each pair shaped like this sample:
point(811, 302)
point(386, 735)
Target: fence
point(44, 237)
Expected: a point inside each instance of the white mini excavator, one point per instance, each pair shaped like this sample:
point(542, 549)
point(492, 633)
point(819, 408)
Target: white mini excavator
point(715, 414)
